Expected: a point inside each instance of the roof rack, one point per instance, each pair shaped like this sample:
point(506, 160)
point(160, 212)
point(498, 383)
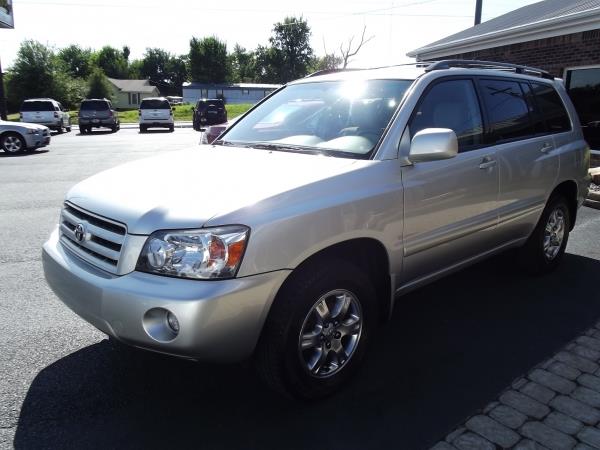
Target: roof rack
point(474, 64)
point(328, 71)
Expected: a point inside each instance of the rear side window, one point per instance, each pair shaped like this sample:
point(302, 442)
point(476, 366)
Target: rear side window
point(551, 107)
point(37, 106)
point(507, 110)
point(94, 105)
point(451, 104)
point(155, 104)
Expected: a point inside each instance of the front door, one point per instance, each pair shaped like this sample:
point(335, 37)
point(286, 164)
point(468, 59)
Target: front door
point(450, 206)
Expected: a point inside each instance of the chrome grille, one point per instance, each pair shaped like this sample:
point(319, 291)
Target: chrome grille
point(93, 238)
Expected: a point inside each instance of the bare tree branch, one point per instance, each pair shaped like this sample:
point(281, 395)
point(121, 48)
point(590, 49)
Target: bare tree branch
point(348, 52)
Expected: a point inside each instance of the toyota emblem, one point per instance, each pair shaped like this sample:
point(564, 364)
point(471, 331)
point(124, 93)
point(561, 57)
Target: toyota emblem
point(80, 232)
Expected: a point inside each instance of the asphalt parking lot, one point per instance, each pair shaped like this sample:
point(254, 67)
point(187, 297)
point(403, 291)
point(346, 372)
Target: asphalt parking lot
point(450, 348)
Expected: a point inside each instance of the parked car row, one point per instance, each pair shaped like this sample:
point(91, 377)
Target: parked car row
point(154, 112)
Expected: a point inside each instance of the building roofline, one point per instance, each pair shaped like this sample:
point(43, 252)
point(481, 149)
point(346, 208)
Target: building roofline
point(556, 26)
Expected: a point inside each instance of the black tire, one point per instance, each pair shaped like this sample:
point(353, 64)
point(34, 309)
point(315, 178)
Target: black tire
point(171, 129)
point(278, 358)
point(533, 257)
point(69, 128)
point(12, 143)
point(143, 129)
point(114, 128)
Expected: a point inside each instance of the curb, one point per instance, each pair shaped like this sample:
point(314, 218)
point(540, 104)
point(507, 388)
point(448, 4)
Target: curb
point(128, 126)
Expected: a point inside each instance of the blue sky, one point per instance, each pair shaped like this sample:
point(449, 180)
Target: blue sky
point(396, 26)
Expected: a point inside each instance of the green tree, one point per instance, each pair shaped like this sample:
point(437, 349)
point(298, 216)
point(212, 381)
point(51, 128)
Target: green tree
point(77, 61)
point(98, 85)
point(112, 62)
point(178, 72)
point(327, 62)
point(208, 60)
point(242, 65)
point(268, 62)
point(32, 74)
point(291, 39)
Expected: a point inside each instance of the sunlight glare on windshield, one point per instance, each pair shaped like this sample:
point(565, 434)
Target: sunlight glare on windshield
point(353, 89)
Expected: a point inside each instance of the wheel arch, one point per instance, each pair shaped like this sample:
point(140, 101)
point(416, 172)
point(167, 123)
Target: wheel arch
point(569, 190)
point(369, 255)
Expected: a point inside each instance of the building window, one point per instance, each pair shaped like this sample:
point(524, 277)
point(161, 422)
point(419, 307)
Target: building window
point(245, 91)
point(203, 93)
point(134, 98)
point(583, 86)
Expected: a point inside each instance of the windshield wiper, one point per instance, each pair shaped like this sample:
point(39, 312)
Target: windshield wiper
point(222, 142)
point(282, 147)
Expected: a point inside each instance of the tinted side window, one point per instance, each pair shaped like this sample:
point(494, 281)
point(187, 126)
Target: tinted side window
point(539, 125)
point(507, 110)
point(551, 107)
point(451, 104)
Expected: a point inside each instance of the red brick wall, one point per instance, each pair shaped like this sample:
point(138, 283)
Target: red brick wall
point(552, 54)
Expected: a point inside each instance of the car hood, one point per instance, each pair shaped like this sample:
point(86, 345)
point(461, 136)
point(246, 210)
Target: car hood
point(17, 125)
point(184, 189)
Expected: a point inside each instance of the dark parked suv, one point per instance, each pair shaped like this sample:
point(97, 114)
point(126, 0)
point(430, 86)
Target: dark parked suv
point(209, 112)
point(97, 113)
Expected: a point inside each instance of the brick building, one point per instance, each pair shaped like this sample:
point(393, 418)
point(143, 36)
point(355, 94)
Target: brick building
point(560, 36)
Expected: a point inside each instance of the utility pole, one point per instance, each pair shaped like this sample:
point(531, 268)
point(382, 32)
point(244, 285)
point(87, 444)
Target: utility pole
point(478, 11)
point(2, 96)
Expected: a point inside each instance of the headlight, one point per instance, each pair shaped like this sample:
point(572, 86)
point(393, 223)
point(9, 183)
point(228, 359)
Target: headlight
point(212, 253)
point(32, 131)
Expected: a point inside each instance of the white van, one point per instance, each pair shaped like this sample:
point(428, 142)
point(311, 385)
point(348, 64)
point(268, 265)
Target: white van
point(156, 112)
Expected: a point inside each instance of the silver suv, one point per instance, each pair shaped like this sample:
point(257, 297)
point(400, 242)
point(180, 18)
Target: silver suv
point(46, 111)
point(292, 237)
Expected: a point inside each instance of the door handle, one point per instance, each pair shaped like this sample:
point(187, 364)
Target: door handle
point(546, 148)
point(487, 163)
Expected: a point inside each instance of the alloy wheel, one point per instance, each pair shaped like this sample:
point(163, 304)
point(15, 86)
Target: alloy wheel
point(554, 233)
point(330, 333)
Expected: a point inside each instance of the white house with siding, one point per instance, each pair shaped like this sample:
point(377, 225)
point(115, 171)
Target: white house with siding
point(232, 92)
point(128, 94)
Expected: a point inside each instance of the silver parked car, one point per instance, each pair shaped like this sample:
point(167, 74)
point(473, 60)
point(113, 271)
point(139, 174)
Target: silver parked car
point(17, 137)
point(291, 237)
point(46, 111)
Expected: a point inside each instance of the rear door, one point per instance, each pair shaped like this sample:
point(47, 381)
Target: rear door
point(155, 110)
point(38, 111)
point(527, 158)
point(450, 205)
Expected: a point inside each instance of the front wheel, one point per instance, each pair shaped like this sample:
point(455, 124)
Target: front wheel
point(317, 331)
point(546, 246)
point(12, 143)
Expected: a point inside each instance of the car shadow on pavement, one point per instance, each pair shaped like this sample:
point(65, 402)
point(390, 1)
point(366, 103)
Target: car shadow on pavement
point(97, 132)
point(450, 348)
point(20, 154)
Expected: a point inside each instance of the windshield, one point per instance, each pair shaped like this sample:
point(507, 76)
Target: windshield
point(155, 104)
point(337, 118)
point(94, 105)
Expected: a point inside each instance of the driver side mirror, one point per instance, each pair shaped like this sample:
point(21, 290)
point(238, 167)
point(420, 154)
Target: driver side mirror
point(433, 144)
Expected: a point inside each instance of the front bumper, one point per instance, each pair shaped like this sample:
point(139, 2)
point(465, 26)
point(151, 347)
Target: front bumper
point(36, 140)
point(219, 320)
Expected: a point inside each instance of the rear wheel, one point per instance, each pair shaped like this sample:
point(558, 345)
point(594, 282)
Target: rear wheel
point(143, 129)
point(12, 143)
point(172, 128)
point(69, 126)
point(317, 331)
point(546, 246)
point(59, 129)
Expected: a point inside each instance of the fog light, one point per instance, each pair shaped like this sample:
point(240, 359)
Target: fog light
point(173, 322)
